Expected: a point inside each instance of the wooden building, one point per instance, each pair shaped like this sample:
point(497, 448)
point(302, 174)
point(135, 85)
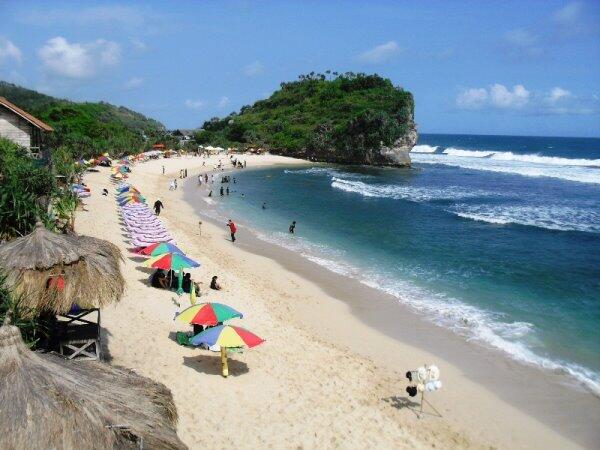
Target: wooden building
point(23, 129)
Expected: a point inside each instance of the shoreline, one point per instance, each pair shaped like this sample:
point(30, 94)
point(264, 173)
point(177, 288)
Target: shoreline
point(384, 314)
point(285, 296)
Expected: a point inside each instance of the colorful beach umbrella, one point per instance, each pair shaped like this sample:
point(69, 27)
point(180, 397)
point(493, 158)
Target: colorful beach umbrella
point(208, 314)
point(125, 201)
point(160, 248)
point(127, 195)
point(127, 189)
point(226, 336)
point(171, 261)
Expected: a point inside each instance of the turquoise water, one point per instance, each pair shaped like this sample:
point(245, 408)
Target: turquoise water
point(496, 238)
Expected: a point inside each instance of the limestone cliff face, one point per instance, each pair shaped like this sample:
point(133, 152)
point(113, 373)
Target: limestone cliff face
point(398, 155)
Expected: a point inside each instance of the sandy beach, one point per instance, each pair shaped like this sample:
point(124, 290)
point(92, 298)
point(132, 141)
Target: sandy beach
point(323, 378)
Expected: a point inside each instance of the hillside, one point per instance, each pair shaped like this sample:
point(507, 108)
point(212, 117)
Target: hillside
point(350, 118)
point(87, 129)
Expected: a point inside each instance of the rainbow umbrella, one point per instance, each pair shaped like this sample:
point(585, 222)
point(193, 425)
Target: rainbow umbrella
point(126, 189)
point(124, 201)
point(170, 261)
point(208, 314)
point(226, 336)
point(126, 195)
point(160, 248)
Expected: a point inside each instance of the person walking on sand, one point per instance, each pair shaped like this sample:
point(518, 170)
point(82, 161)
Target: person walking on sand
point(199, 180)
point(210, 193)
point(163, 167)
point(292, 228)
point(171, 186)
point(175, 183)
point(158, 206)
point(232, 229)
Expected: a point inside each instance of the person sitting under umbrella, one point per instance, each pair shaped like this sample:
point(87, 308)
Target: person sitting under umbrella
point(159, 280)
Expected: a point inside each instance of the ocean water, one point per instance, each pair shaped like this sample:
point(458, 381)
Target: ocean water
point(494, 237)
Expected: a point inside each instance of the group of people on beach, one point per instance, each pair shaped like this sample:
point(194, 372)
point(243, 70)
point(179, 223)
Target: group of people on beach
point(223, 191)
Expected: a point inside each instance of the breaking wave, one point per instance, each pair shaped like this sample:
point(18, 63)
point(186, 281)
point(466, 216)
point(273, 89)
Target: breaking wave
point(411, 193)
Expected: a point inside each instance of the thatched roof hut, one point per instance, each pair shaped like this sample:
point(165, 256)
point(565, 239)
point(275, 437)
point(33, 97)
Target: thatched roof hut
point(49, 402)
point(89, 268)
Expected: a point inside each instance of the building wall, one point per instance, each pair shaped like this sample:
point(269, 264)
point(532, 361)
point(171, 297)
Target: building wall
point(15, 128)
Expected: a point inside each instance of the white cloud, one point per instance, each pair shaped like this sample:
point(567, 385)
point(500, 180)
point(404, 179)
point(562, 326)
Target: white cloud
point(138, 44)
point(473, 98)
point(194, 104)
point(502, 97)
point(557, 94)
point(380, 53)
point(8, 51)
point(134, 83)
point(569, 14)
point(78, 60)
point(223, 102)
point(557, 101)
point(496, 96)
point(254, 69)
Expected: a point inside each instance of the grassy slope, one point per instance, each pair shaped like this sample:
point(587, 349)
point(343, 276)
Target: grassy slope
point(86, 128)
point(314, 110)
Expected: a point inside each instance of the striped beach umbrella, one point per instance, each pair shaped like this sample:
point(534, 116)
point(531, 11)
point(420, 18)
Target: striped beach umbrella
point(160, 248)
point(171, 261)
point(208, 314)
point(226, 336)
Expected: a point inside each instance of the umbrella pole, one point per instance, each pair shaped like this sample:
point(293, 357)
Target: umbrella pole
point(224, 361)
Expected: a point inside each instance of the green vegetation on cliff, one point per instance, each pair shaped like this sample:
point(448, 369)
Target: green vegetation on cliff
point(87, 129)
point(337, 119)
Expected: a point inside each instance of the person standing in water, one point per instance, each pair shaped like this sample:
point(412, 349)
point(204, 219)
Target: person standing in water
point(158, 206)
point(264, 205)
point(221, 191)
point(232, 229)
point(227, 190)
point(292, 228)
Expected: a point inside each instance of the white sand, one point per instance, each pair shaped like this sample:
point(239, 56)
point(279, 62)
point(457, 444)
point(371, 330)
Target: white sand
point(302, 388)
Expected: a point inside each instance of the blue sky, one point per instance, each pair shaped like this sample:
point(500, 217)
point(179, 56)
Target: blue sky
point(529, 68)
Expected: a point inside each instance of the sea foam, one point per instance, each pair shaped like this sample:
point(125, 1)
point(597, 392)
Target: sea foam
point(554, 217)
point(410, 193)
point(579, 170)
point(424, 149)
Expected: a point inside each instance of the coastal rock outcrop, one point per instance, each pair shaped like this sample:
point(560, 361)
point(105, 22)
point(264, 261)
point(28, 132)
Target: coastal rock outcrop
point(349, 118)
point(398, 155)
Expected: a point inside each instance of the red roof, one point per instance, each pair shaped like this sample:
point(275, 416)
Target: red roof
point(25, 115)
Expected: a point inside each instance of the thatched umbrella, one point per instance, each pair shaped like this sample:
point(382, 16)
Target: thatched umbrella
point(89, 270)
point(49, 402)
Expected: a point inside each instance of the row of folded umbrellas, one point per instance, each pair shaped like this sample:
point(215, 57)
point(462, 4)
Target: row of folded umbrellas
point(149, 234)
